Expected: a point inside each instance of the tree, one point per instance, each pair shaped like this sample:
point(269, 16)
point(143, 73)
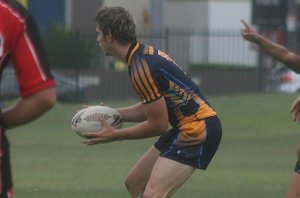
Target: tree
point(67, 49)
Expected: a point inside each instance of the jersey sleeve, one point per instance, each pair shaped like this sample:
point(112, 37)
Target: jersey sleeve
point(144, 79)
point(29, 59)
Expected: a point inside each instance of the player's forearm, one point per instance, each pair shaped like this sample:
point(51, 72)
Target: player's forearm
point(132, 113)
point(273, 49)
point(142, 130)
point(280, 53)
point(29, 108)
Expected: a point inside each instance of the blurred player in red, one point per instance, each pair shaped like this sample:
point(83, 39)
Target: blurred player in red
point(292, 61)
point(167, 96)
point(20, 44)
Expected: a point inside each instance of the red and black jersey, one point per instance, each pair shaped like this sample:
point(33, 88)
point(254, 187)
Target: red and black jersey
point(20, 42)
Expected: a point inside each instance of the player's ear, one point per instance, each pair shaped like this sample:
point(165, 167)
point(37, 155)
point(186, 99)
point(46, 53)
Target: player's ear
point(109, 37)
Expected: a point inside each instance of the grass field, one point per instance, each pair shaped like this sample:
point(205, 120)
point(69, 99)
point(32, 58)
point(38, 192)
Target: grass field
point(255, 159)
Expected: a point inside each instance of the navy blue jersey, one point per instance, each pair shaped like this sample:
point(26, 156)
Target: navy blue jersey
point(154, 75)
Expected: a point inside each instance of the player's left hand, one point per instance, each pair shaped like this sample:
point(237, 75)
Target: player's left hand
point(106, 134)
point(295, 110)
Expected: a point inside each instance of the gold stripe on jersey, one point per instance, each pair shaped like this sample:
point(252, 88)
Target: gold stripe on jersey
point(132, 52)
point(135, 87)
point(181, 95)
point(150, 82)
point(192, 133)
point(135, 78)
point(145, 84)
point(203, 112)
point(166, 56)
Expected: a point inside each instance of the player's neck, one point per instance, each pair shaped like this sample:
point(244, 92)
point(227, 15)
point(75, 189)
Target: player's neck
point(121, 51)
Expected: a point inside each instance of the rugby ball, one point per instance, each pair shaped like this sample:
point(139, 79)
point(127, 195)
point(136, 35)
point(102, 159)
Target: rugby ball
point(88, 119)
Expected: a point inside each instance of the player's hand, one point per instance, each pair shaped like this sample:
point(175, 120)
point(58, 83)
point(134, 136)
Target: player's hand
point(295, 110)
point(249, 33)
point(106, 135)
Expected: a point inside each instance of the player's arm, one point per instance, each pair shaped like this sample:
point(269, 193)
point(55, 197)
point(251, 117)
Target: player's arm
point(155, 124)
point(28, 108)
point(275, 50)
point(37, 87)
point(280, 53)
point(133, 113)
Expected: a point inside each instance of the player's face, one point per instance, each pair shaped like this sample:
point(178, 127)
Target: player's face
point(103, 41)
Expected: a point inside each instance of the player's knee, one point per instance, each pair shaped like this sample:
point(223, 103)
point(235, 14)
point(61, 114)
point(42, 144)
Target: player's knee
point(128, 184)
point(133, 187)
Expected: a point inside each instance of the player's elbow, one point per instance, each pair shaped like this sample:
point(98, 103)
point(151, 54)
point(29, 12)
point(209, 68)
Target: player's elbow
point(51, 101)
point(292, 61)
point(48, 98)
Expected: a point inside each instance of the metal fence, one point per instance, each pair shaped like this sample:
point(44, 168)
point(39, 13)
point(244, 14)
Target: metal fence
point(187, 46)
point(200, 49)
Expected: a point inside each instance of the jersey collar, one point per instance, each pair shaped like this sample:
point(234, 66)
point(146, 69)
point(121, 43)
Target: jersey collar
point(134, 46)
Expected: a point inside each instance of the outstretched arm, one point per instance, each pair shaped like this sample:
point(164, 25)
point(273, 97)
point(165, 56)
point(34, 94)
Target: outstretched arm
point(275, 50)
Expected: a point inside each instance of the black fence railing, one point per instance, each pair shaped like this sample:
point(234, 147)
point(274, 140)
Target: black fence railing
point(233, 60)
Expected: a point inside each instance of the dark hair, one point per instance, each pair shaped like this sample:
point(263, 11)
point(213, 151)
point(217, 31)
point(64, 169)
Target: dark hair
point(117, 21)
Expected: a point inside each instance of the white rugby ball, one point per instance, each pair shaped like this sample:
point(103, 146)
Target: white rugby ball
point(88, 119)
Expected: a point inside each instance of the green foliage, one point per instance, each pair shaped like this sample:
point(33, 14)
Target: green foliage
point(67, 49)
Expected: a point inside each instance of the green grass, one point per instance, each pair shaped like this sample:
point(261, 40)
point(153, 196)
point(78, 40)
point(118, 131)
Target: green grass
point(255, 159)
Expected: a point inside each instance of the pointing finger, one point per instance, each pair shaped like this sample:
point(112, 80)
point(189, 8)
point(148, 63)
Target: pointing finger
point(245, 24)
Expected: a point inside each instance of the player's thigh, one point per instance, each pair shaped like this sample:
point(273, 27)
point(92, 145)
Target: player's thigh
point(294, 187)
point(141, 171)
point(167, 176)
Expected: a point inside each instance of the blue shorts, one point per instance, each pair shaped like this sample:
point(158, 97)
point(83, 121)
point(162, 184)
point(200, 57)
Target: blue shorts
point(196, 155)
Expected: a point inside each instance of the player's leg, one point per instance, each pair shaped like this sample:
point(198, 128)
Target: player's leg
point(178, 162)
point(166, 178)
point(5, 168)
point(138, 176)
point(294, 187)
